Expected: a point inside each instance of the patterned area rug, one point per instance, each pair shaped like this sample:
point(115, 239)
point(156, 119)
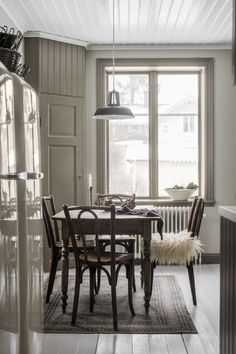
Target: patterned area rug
point(167, 313)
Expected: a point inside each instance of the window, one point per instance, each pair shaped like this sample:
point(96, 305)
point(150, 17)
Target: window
point(128, 140)
point(177, 98)
point(189, 124)
point(167, 143)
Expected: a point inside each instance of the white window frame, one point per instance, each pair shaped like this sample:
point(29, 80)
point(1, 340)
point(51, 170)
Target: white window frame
point(204, 66)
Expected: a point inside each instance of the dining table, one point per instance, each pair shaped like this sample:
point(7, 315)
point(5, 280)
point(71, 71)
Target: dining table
point(125, 224)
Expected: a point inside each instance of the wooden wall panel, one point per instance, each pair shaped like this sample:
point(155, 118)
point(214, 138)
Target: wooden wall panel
point(57, 67)
point(228, 287)
point(32, 59)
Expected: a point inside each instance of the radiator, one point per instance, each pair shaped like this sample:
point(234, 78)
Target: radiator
point(175, 219)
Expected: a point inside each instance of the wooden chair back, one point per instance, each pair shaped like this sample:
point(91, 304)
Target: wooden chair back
point(113, 198)
point(91, 212)
point(51, 226)
point(196, 215)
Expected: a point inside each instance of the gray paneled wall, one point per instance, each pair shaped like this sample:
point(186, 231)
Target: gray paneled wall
point(57, 68)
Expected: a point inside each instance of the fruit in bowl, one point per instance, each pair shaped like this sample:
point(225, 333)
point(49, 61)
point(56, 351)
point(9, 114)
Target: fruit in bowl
point(180, 192)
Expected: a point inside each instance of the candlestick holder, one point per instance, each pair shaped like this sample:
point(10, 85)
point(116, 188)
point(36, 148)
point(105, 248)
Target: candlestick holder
point(91, 195)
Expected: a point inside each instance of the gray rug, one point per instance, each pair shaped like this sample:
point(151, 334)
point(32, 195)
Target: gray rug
point(167, 313)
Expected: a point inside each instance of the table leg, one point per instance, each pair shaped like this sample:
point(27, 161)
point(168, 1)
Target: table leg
point(147, 265)
point(64, 267)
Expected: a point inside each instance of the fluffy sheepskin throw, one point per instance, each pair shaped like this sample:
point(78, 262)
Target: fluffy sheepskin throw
point(174, 248)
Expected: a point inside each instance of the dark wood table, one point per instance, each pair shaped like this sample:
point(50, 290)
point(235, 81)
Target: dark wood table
point(125, 224)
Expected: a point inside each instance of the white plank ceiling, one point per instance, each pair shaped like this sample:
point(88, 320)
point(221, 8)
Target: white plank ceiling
point(136, 21)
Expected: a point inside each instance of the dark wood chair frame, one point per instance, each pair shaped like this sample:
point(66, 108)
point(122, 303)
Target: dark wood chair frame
point(53, 239)
point(93, 260)
point(194, 225)
point(127, 241)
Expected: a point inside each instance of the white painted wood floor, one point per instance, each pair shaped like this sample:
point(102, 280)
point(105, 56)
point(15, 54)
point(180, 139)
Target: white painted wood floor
point(205, 317)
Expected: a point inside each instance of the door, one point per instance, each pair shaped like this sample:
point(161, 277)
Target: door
point(62, 122)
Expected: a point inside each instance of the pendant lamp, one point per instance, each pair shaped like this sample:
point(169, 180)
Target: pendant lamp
point(113, 110)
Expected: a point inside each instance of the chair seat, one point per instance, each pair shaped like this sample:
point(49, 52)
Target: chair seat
point(178, 248)
point(106, 258)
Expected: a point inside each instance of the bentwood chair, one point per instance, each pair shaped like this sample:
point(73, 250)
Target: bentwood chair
point(54, 240)
point(127, 241)
point(181, 248)
point(94, 259)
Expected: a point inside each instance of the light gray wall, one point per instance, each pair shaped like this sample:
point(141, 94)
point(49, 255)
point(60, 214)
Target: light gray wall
point(224, 128)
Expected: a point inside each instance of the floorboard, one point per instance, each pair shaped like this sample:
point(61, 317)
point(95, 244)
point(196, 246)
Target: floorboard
point(207, 310)
point(194, 344)
point(175, 344)
point(124, 344)
point(87, 344)
point(141, 344)
point(106, 344)
point(158, 344)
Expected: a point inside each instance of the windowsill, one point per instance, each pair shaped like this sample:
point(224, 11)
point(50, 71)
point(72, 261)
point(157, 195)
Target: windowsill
point(169, 202)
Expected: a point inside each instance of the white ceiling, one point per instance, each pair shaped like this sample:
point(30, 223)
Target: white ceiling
point(136, 21)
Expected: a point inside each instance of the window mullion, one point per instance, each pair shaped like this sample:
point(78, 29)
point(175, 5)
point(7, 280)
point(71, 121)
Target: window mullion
point(153, 135)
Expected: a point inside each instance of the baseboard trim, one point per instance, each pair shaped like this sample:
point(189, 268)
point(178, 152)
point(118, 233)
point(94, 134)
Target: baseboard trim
point(210, 258)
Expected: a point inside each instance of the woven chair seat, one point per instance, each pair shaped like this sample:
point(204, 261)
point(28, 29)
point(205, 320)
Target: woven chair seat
point(178, 248)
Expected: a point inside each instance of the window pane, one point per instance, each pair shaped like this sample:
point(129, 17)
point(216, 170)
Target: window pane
point(178, 142)
point(129, 139)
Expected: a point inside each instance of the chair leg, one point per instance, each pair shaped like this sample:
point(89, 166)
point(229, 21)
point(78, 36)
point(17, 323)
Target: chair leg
point(141, 272)
point(98, 283)
point(130, 277)
point(52, 275)
point(192, 282)
point(114, 304)
point(134, 285)
point(92, 273)
point(153, 266)
point(76, 294)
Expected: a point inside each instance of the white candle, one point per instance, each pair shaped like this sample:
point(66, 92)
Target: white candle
point(90, 181)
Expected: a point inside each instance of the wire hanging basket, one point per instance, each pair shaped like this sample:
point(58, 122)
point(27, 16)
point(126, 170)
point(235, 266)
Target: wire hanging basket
point(10, 58)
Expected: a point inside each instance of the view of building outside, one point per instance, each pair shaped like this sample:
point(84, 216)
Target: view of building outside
point(177, 130)
point(177, 145)
point(129, 139)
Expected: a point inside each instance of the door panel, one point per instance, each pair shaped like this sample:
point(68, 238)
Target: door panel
point(62, 121)
point(62, 179)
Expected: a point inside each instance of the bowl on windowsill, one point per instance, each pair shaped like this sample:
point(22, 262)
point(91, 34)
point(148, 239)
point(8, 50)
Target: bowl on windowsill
point(180, 194)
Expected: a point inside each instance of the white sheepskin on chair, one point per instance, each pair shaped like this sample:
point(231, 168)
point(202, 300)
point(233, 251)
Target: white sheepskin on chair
point(174, 248)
